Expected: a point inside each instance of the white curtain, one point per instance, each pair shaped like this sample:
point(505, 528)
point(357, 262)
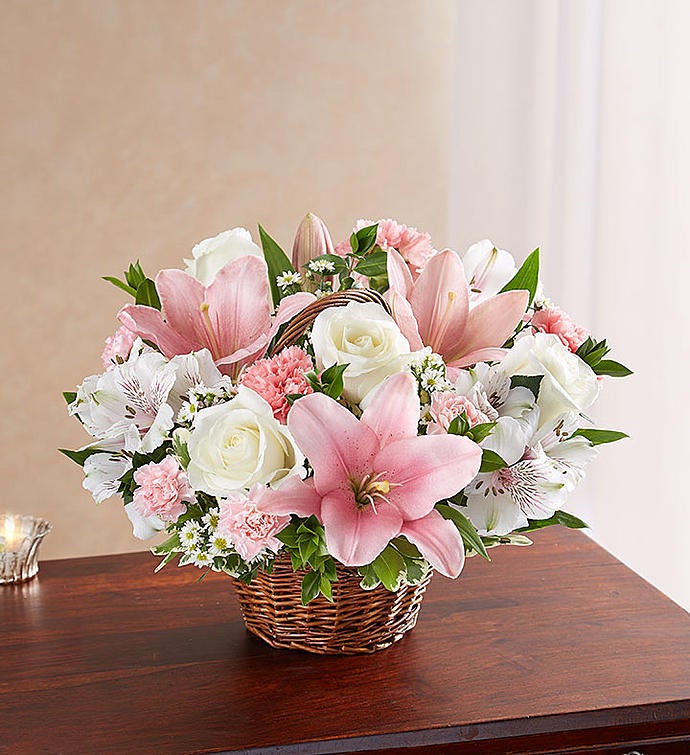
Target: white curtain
point(571, 132)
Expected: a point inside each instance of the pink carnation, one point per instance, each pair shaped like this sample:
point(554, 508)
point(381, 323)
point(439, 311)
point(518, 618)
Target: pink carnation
point(414, 246)
point(274, 379)
point(249, 530)
point(556, 321)
point(117, 347)
point(163, 487)
point(447, 405)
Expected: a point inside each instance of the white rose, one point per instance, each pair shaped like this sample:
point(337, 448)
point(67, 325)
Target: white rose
point(568, 383)
point(240, 443)
point(366, 338)
point(210, 255)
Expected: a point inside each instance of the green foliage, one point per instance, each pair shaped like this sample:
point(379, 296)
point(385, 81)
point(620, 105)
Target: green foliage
point(79, 457)
point(491, 461)
point(276, 261)
point(527, 277)
point(399, 563)
point(460, 426)
point(560, 517)
point(493, 541)
point(593, 352)
point(527, 381)
point(305, 542)
point(374, 264)
point(470, 537)
point(362, 242)
point(127, 484)
point(598, 437)
point(136, 284)
point(147, 294)
point(330, 382)
point(69, 396)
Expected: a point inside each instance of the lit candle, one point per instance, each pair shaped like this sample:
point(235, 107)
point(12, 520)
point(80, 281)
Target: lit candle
point(12, 536)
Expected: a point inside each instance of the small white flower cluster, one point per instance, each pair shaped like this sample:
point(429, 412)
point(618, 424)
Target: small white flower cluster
point(287, 279)
point(321, 267)
point(201, 543)
point(200, 397)
point(430, 372)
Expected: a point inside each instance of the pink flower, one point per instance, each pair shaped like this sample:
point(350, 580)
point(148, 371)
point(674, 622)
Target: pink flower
point(117, 347)
point(555, 320)
point(414, 246)
point(375, 478)
point(163, 487)
point(434, 311)
point(248, 529)
point(447, 405)
point(231, 317)
point(276, 378)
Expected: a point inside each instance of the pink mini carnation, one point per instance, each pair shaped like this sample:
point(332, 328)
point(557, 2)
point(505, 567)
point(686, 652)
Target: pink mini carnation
point(414, 246)
point(117, 347)
point(555, 320)
point(274, 379)
point(163, 487)
point(249, 530)
point(447, 405)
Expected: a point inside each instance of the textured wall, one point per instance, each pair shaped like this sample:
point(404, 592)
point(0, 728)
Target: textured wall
point(134, 129)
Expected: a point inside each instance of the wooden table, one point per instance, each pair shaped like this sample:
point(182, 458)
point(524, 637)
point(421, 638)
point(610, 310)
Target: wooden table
point(555, 648)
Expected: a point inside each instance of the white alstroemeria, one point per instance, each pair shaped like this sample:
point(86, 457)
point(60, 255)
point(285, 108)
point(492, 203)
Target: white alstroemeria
point(569, 455)
point(143, 527)
point(487, 269)
point(102, 473)
point(193, 370)
point(568, 383)
point(210, 255)
point(502, 501)
point(132, 395)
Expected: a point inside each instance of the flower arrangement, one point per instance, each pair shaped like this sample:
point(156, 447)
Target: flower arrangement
point(378, 404)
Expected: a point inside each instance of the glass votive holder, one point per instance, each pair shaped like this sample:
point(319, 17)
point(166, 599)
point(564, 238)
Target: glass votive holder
point(20, 537)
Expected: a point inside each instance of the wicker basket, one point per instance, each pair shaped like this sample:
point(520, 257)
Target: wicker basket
point(358, 621)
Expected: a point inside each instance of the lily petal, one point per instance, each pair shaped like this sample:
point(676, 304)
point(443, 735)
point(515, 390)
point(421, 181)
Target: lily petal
point(393, 412)
point(425, 469)
point(439, 541)
point(399, 275)
point(403, 315)
point(294, 496)
point(356, 536)
point(181, 298)
point(337, 444)
point(148, 324)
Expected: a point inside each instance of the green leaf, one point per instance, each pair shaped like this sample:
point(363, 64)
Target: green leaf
point(527, 277)
point(527, 381)
point(310, 586)
point(167, 546)
point(470, 536)
point(369, 578)
point(325, 587)
point(306, 548)
point(288, 536)
point(119, 284)
point(135, 275)
point(180, 449)
point(388, 565)
point(612, 369)
point(332, 380)
point(405, 547)
point(354, 243)
point(69, 396)
point(80, 456)
point(481, 431)
point(147, 294)
point(598, 437)
point(276, 261)
point(366, 238)
point(560, 517)
point(373, 264)
point(491, 461)
point(347, 283)
point(459, 425)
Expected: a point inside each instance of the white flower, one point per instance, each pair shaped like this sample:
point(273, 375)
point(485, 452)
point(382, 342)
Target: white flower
point(287, 279)
point(364, 337)
point(129, 399)
point(194, 370)
point(102, 472)
point(239, 443)
point(190, 533)
point(210, 255)
point(487, 270)
point(218, 545)
point(321, 266)
point(569, 455)
point(144, 527)
point(568, 383)
point(211, 518)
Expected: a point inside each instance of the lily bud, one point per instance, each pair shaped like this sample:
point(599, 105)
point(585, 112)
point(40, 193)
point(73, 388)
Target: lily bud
point(311, 241)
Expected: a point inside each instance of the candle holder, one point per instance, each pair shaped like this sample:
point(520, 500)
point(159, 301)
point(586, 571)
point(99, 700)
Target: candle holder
point(20, 538)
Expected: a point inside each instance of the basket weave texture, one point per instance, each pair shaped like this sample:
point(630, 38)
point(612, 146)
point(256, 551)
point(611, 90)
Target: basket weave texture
point(358, 621)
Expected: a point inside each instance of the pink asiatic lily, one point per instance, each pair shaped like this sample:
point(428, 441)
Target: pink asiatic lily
point(375, 478)
point(231, 317)
point(434, 311)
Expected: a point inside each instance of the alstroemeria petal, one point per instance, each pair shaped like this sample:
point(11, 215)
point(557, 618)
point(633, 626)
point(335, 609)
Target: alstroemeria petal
point(492, 322)
point(439, 541)
point(356, 536)
point(294, 496)
point(426, 469)
point(393, 412)
point(338, 446)
point(439, 300)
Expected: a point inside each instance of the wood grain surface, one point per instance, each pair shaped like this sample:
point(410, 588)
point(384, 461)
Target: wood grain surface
point(554, 648)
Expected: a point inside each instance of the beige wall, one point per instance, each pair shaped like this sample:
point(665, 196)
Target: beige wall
point(134, 129)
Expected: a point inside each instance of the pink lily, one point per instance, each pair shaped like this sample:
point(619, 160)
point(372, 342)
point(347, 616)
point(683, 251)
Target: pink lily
point(375, 478)
point(434, 311)
point(231, 317)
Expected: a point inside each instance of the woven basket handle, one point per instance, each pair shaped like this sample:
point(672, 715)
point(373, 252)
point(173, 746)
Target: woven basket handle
point(302, 321)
